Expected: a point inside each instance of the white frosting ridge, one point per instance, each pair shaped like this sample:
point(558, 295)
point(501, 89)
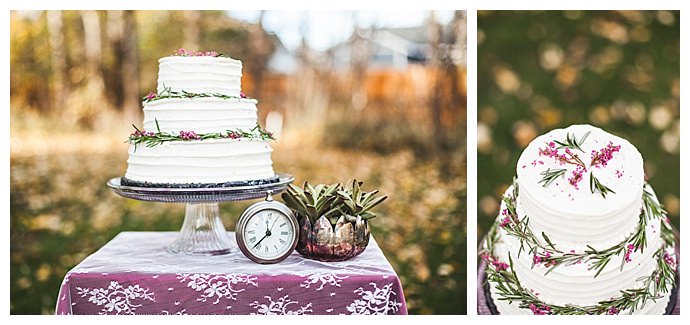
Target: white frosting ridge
point(200, 74)
point(572, 216)
point(206, 161)
point(201, 115)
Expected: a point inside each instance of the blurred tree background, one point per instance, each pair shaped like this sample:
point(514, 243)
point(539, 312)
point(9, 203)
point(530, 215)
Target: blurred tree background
point(618, 70)
point(387, 105)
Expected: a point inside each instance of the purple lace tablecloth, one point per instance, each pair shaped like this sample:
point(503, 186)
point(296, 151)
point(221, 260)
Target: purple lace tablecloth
point(134, 274)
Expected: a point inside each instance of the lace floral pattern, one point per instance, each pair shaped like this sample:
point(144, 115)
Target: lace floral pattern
point(379, 301)
point(218, 285)
point(282, 306)
point(323, 279)
point(117, 299)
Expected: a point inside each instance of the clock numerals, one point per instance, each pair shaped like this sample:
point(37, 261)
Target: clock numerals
point(266, 233)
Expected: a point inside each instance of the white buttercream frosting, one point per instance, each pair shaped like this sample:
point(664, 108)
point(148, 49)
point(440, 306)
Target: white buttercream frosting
point(575, 216)
point(201, 115)
point(200, 161)
point(576, 284)
point(207, 161)
point(200, 74)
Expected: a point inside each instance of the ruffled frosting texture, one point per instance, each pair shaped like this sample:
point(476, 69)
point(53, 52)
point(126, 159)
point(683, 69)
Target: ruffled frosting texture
point(574, 218)
point(200, 74)
point(200, 161)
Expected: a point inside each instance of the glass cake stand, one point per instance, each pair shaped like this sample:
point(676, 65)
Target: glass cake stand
point(202, 231)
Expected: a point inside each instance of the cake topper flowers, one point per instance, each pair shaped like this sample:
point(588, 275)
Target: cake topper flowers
point(183, 52)
point(599, 159)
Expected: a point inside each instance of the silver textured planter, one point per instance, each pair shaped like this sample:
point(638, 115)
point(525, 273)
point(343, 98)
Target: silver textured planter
point(324, 242)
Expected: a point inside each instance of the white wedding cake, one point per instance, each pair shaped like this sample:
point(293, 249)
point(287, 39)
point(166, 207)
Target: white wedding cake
point(580, 231)
point(199, 129)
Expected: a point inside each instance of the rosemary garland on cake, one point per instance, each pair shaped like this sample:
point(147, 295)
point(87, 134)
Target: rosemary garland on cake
point(152, 139)
point(551, 257)
point(168, 93)
point(509, 288)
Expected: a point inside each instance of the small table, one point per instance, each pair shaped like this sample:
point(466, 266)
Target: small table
point(134, 274)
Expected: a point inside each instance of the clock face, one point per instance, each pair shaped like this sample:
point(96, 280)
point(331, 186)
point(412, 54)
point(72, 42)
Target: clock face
point(269, 234)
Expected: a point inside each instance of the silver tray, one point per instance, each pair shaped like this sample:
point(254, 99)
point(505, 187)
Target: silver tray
point(195, 195)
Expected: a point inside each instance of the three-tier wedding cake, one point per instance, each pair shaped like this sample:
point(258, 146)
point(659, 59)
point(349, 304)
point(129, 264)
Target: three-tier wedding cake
point(199, 129)
point(580, 231)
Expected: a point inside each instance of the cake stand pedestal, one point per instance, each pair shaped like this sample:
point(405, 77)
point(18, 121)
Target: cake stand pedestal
point(202, 231)
point(486, 306)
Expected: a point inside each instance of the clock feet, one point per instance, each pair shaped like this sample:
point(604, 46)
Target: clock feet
point(202, 232)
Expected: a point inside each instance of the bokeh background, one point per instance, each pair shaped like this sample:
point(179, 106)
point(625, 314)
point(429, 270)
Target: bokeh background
point(618, 70)
point(384, 101)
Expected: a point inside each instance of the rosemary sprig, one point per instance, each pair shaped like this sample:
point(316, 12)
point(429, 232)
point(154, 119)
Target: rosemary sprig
point(167, 92)
point(509, 288)
point(152, 139)
point(553, 257)
point(572, 142)
point(596, 186)
point(551, 175)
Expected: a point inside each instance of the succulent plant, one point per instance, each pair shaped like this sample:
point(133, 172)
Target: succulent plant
point(355, 202)
point(312, 201)
point(332, 201)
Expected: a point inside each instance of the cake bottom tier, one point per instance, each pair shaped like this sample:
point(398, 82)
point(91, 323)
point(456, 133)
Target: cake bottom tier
point(200, 163)
point(519, 274)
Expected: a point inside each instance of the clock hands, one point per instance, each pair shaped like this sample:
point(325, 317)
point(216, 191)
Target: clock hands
point(268, 232)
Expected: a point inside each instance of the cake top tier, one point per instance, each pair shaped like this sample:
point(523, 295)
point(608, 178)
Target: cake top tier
point(581, 171)
point(200, 72)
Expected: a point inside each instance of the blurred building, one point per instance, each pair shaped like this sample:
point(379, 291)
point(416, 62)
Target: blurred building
point(392, 47)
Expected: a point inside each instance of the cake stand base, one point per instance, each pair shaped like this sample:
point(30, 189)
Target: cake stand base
point(202, 232)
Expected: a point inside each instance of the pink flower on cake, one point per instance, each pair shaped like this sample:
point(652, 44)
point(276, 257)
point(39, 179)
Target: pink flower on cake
point(183, 52)
point(670, 260)
point(498, 265)
point(577, 176)
point(601, 158)
point(189, 135)
point(540, 310)
point(629, 251)
point(505, 221)
point(151, 96)
point(544, 258)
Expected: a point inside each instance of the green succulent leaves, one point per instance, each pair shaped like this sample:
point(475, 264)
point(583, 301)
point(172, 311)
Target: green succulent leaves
point(332, 201)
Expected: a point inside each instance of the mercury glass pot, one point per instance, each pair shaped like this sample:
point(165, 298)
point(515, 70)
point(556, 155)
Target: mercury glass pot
point(325, 242)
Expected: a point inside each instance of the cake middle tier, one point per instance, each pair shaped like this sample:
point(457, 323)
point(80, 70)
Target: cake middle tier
point(200, 74)
point(200, 161)
point(568, 207)
point(201, 115)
